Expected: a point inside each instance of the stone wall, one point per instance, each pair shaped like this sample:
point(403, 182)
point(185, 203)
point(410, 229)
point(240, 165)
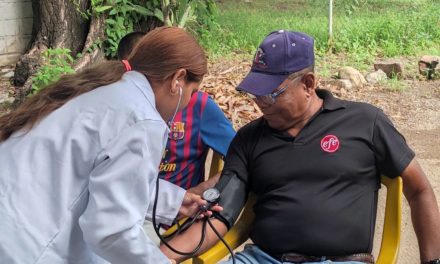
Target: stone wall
point(15, 29)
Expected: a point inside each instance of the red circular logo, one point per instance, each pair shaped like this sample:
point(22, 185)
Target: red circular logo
point(330, 143)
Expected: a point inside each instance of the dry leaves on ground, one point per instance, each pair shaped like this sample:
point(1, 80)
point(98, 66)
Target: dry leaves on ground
point(220, 83)
point(401, 106)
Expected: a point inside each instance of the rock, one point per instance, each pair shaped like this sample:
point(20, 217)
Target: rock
point(429, 59)
point(429, 66)
point(390, 67)
point(7, 75)
point(5, 99)
point(340, 84)
point(356, 79)
point(4, 70)
point(375, 77)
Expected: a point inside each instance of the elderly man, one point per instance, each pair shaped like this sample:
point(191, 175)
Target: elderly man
point(314, 163)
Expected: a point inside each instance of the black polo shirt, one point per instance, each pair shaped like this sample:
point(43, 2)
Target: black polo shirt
point(317, 192)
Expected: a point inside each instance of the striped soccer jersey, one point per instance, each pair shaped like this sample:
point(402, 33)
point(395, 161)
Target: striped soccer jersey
point(195, 129)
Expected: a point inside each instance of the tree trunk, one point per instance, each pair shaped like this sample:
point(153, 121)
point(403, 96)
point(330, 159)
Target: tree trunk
point(60, 24)
point(89, 53)
point(56, 24)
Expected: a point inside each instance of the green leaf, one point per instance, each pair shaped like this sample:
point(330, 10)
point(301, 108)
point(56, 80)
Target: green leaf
point(142, 10)
point(101, 9)
point(158, 13)
point(110, 21)
point(187, 16)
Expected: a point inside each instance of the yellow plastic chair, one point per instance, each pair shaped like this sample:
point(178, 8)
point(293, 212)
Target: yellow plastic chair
point(389, 247)
point(239, 233)
point(216, 164)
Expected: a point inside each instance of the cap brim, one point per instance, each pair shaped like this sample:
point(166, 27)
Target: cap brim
point(258, 83)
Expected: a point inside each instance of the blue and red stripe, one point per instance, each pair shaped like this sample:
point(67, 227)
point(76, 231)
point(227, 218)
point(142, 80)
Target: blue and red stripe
point(188, 154)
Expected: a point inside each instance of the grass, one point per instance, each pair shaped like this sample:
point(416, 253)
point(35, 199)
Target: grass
point(394, 84)
point(363, 29)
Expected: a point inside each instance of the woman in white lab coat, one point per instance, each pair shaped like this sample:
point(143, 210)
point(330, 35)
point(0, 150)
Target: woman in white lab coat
point(79, 160)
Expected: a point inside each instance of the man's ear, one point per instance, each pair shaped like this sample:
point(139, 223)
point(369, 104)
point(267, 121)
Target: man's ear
point(309, 80)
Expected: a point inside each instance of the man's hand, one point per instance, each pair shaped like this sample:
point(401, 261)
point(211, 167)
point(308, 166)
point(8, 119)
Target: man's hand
point(203, 186)
point(191, 205)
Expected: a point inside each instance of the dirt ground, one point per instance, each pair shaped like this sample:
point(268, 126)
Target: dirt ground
point(415, 112)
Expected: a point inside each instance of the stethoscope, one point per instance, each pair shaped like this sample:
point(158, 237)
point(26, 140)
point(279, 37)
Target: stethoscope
point(211, 195)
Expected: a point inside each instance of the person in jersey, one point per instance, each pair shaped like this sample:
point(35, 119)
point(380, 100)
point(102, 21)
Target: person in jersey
point(127, 43)
point(314, 162)
point(197, 128)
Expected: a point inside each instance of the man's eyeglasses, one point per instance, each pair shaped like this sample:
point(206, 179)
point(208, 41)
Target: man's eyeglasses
point(270, 98)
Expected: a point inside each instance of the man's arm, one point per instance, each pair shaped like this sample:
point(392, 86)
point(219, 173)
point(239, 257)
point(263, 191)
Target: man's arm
point(233, 188)
point(234, 195)
point(203, 186)
point(188, 240)
point(425, 213)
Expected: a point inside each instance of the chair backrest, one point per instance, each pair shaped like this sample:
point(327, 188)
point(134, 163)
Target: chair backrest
point(389, 249)
point(216, 164)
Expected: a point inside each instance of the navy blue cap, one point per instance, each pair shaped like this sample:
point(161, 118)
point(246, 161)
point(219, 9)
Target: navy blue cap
point(280, 54)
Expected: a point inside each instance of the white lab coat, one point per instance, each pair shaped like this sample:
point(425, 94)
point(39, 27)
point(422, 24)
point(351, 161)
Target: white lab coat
point(77, 187)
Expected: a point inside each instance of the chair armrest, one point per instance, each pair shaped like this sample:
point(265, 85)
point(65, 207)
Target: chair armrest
point(389, 248)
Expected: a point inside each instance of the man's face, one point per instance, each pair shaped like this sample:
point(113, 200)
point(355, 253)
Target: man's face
point(290, 107)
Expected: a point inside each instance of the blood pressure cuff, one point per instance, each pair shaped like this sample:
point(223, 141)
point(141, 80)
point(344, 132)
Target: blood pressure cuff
point(233, 196)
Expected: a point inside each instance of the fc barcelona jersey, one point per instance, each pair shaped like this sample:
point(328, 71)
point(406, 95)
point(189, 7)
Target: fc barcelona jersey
point(195, 129)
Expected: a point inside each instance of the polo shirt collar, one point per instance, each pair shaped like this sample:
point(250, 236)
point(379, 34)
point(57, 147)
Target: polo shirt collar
point(331, 103)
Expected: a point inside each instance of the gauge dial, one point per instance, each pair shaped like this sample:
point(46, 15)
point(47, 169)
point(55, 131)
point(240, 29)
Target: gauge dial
point(211, 195)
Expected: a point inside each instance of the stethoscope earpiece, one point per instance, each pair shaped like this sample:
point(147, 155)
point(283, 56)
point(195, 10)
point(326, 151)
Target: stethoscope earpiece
point(177, 108)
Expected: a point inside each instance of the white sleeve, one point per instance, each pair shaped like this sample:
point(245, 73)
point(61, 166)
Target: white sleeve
point(169, 201)
point(120, 188)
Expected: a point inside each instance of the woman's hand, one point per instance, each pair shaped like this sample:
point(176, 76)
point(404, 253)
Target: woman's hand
point(191, 205)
